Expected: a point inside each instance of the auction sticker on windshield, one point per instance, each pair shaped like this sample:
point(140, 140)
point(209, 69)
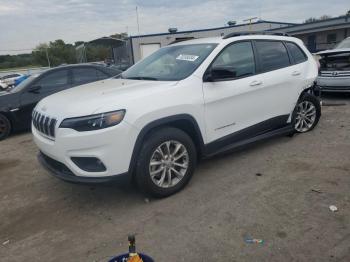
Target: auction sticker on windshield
point(190, 58)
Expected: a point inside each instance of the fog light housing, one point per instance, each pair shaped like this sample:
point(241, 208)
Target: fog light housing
point(89, 164)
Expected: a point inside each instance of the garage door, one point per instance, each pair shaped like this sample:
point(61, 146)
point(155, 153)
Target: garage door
point(147, 49)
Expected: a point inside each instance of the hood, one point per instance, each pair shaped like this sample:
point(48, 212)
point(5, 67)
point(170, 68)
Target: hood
point(101, 96)
point(334, 51)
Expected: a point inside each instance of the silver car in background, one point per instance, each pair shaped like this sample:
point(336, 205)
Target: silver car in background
point(335, 68)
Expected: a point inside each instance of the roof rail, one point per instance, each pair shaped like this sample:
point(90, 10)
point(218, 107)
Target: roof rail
point(254, 33)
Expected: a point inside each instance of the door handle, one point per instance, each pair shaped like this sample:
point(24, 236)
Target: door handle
point(296, 73)
point(255, 83)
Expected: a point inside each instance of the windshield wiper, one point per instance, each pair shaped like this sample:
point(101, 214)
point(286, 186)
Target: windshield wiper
point(142, 78)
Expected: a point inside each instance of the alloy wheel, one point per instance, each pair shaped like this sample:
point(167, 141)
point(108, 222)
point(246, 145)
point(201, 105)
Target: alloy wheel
point(169, 164)
point(305, 116)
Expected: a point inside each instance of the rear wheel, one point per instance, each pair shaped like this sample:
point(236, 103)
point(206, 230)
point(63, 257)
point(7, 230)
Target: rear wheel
point(5, 127)
point(306, 113)
point(166, 162)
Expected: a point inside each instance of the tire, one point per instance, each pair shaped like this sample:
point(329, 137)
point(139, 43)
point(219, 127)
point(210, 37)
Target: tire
point(306, 114)
point(5, 127)
point(155, 150)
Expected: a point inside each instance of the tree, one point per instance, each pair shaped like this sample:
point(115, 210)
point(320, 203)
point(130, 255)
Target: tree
point(120, 35)
point(313, 19)
point(78, 43)
point(39, 54)
point(58, 53)
point(97, 53)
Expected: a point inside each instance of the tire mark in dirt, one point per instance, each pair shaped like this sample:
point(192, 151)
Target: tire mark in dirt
point(8, 163)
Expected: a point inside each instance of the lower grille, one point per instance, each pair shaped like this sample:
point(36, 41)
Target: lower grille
point(44, 124)
point(57, 166)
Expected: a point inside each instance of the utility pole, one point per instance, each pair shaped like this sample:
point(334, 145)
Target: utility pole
point(137, 20)
point(47, 57)
point(250, 22)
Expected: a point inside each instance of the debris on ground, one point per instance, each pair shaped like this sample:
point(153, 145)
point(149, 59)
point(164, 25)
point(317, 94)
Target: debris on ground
point(316, 190)
point(146, 200)
point(333, 208)
point(258, 174)
point(6, 242)
point(254, 241)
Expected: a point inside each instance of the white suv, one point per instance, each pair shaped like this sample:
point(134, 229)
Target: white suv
point(185, 101)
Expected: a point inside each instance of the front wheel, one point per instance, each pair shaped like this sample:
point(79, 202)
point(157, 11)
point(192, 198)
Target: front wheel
point(166, 162)
point(306, 113)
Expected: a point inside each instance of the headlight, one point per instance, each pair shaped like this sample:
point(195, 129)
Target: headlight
point(94, 122)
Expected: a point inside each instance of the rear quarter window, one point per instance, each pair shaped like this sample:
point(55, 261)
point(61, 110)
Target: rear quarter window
point(298, 55)
point(272, 55)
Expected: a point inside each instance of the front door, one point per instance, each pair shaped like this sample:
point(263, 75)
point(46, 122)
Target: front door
point(231, 103)
point(49, 83)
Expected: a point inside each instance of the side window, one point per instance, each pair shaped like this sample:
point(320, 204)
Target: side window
point(272, 55)
point(84, 75)
point(297, 54)
point(54, 80)
point(236, 60)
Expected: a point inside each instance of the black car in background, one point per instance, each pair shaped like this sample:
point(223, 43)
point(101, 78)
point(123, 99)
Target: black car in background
point(17, 103)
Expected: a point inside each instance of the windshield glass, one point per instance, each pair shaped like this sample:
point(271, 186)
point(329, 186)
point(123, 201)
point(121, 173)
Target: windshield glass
point(343, 44)
point(170, 63)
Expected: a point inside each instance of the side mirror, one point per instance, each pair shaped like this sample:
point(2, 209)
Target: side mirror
point(34, 89)
point(219, 73)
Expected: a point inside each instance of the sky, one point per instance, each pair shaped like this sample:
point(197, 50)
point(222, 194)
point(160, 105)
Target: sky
point(26, 23)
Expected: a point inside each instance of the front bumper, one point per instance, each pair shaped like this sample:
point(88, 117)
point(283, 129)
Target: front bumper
point(112, 146)
point(59, 170)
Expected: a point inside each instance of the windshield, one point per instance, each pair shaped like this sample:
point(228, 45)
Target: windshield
point(170, 63)
point(343, 44)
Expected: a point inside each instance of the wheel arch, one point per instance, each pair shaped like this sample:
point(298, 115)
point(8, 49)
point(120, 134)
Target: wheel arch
point(311, 90)
point(184, 122)
point(9, 117)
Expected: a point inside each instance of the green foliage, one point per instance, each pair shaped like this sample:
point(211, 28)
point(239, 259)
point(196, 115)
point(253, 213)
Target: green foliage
point(97, 53)
point(58, 53)
point(11, 61)
point(313, 19)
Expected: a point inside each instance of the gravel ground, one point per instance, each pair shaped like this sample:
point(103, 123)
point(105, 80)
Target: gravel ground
point(287, 205)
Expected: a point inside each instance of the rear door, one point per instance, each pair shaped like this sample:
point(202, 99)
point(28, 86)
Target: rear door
point(281, 79)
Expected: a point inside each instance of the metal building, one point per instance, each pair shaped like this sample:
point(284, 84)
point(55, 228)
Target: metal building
point(317, 36)
point(321, 35)
point(144, 45)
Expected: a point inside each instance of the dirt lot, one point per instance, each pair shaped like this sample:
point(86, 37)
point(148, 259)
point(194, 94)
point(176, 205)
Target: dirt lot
point(44, 219)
